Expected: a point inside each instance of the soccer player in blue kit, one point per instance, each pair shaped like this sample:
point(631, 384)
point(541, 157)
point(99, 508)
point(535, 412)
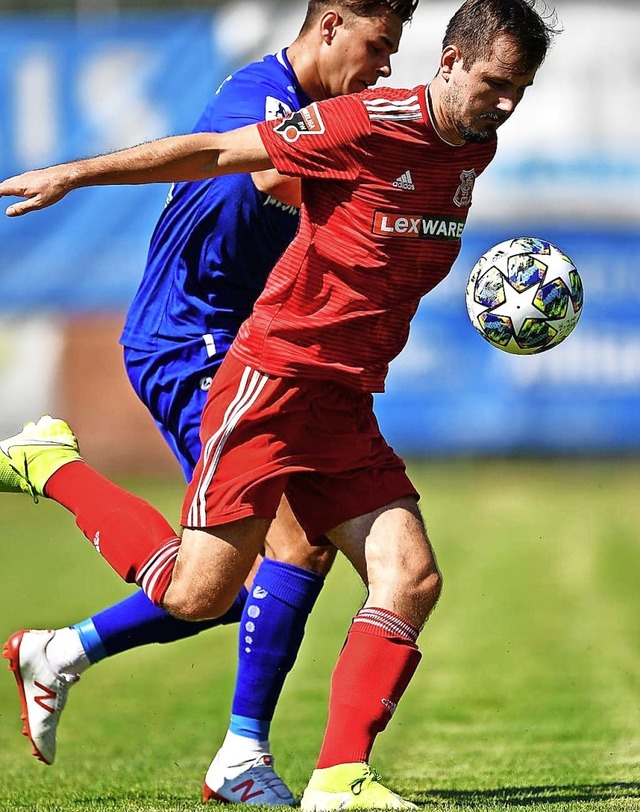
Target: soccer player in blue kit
point(214, 244)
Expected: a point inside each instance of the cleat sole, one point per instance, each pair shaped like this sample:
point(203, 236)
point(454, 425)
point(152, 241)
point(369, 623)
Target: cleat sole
point(11, 652)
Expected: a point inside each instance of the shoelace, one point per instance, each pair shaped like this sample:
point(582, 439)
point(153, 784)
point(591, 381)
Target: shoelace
point(268, 777)
point(32, 490)
point(369, 776)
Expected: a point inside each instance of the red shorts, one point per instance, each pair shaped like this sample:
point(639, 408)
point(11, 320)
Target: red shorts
point(315, 441)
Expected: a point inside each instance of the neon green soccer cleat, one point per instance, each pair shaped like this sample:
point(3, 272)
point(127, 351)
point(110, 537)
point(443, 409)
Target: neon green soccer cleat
point(28, 459)
point(349, 786)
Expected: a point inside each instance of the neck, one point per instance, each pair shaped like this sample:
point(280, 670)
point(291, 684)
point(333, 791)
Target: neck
point(441, 121)
point(303, 58)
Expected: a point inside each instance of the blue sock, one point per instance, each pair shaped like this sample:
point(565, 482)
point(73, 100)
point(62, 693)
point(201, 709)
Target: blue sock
point(135, 621)
point(271, 631)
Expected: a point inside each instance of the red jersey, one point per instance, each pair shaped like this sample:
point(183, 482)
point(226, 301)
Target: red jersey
point(385, 201)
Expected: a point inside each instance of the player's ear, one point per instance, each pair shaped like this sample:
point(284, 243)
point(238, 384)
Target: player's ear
point(450, 55)
point(329, 22)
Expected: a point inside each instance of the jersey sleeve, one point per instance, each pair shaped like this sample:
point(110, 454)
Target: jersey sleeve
point(245, 99)
point(324, 140)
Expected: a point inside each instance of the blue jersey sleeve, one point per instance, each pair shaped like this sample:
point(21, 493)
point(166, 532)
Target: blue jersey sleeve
point(254, 94)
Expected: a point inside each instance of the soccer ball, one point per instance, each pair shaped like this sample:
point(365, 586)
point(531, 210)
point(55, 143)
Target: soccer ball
point(524, 296)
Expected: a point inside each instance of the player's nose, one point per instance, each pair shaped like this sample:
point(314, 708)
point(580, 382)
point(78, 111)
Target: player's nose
point(507, 103)
point(385, 69)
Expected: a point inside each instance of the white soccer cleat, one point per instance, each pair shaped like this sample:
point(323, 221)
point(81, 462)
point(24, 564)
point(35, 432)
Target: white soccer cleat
point(253, 782)
point(43, 694)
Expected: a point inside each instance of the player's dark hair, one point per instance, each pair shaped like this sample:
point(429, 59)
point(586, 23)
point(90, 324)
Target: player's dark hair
point(361, 8)
point(477, 23)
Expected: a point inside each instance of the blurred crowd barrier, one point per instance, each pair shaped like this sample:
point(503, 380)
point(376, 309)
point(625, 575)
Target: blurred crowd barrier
point(568, 170)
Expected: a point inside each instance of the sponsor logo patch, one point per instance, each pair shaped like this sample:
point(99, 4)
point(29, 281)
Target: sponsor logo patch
point(417, 226)
point(307, 121)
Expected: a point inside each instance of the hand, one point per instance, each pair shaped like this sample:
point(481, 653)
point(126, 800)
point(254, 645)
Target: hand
point(41, 188)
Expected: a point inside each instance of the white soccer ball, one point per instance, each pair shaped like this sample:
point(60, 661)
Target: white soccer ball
point(524, 295)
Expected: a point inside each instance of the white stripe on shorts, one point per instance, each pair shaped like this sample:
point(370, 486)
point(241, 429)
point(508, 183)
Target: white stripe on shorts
point(251, 384)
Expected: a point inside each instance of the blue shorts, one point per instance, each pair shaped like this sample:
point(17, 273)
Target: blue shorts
point(173, 385)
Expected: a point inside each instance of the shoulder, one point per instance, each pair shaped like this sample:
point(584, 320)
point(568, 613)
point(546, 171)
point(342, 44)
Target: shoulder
point(394, 104)
point(393, 95)
point(266, 75)
point(261, 90)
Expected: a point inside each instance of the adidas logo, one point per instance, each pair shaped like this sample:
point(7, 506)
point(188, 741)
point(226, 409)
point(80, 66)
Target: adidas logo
point(404, 182)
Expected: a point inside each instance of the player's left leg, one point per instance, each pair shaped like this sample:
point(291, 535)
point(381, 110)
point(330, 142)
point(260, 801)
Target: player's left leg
point(361, 498)
point(390, 550)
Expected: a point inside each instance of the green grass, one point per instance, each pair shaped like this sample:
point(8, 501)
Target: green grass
point(527, 698)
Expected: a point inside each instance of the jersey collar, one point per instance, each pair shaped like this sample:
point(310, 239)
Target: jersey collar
point(283, 59)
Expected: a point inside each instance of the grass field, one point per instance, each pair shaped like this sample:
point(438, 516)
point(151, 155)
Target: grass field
point(527, 698)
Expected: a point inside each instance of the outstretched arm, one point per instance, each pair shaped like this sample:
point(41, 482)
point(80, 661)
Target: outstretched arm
point(181, 157)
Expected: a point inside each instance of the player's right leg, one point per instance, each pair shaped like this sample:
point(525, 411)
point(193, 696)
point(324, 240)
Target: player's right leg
point(288, 585)
point(52, 662)
point(43, 460)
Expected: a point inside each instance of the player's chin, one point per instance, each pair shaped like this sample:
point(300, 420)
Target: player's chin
point(483, 128)
point(478, 135)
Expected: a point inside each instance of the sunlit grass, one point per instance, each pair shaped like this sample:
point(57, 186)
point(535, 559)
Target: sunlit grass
point(528, 695)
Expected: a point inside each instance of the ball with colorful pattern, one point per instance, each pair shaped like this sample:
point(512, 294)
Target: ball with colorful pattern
point(524, 296)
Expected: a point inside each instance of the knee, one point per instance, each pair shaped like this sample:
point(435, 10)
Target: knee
point(422, 592)
point(316, 559)
point(430, 588)
point(189, 603)
point(296, 550)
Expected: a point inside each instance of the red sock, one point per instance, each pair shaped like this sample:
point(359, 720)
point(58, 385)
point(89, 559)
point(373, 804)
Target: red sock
point(131, 535)
point(375, 666)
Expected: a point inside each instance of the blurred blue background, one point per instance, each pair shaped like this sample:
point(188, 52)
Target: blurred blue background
point(100, 76)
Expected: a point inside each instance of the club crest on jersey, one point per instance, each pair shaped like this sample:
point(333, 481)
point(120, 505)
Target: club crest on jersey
point(307, 121)
point(417, 226)
point(274, 109)
point(462, 197)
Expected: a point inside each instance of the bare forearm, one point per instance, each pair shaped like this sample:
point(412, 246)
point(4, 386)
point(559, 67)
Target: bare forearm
point(170, 159)
point(183, 157)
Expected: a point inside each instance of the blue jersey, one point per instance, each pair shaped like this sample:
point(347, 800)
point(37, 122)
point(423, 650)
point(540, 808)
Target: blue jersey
point(216, 239)
point(211, 251)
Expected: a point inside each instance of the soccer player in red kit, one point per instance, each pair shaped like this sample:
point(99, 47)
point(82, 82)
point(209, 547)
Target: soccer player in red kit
point(387, 180)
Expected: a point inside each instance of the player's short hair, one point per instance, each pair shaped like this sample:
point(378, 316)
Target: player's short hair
point(477, 23)
point(362, 8)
